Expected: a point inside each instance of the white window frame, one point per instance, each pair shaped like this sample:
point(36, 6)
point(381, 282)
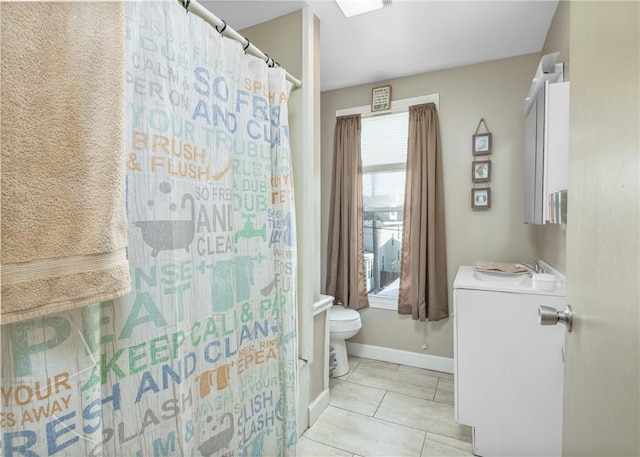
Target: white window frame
point(397, 106)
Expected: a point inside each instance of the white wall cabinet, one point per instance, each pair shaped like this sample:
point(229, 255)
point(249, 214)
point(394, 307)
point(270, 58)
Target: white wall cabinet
point(508, 372)
point(546, 152)
point(534, 161)
point(556, 152)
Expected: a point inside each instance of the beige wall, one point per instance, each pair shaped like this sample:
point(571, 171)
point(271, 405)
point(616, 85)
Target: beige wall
point(558, 35)
point(552, 238)
point(284, 46)
point(495, 91)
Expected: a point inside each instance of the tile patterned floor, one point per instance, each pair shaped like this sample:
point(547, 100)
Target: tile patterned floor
point(386, 409)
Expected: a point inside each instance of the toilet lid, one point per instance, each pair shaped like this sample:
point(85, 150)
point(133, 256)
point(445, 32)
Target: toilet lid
point(341, 314)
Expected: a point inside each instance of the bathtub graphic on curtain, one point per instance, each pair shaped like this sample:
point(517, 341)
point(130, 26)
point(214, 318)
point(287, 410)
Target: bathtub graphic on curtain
point(200, 358)
point(172, 233)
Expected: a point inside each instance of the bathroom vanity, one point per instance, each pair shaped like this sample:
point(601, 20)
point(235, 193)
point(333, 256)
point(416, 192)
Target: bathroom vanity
point(508, 368)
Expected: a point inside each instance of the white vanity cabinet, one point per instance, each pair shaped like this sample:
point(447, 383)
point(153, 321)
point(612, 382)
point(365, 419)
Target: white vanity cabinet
point(508, 368)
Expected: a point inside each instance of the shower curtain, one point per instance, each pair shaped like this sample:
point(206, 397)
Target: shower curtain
point(200, 358)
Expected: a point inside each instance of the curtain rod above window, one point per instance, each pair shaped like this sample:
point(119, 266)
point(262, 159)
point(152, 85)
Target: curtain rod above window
point(396, 106)
point(221, 26)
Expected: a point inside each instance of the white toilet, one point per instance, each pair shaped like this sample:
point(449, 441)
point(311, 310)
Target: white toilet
point(344, 323)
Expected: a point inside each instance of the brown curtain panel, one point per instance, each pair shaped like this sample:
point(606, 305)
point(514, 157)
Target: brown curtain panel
point(346, 279)
point(423, 275)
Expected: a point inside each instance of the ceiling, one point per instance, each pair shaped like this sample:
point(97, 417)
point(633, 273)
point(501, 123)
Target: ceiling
point(408, 37)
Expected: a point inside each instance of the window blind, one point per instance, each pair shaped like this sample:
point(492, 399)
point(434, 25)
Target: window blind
point(384, 139)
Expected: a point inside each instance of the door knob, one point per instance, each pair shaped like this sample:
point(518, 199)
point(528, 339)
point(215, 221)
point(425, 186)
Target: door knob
point(550, 316)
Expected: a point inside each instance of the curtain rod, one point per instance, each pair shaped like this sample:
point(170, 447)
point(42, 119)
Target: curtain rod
point(193, 6)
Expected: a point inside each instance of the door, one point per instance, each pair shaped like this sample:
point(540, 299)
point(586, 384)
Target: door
point(601, 392)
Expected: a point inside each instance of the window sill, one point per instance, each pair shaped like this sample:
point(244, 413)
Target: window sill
point(383, 303)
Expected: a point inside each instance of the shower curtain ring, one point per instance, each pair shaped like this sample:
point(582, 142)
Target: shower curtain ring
point(267, 59)
point(224, 27)
point(185, 3)
point(246, 45)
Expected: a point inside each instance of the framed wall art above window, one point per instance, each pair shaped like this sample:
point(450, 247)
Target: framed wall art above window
point(381, 98)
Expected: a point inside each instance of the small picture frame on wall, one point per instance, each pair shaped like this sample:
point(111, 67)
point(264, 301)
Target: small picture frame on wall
point(481, 144)
point(481, 171)
point(381, 98)
point(481, 198)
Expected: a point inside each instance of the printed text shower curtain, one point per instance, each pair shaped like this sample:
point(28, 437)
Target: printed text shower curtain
point(199, 360)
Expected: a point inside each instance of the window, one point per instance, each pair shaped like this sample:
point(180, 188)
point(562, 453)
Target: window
point(384, 156)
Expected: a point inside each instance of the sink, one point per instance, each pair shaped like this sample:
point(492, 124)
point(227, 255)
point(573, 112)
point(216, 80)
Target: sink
point(550, 283)
point(502, 279)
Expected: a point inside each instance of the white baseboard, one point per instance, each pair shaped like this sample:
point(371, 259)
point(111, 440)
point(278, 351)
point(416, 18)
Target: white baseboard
point(412, 359)
point(318, 405)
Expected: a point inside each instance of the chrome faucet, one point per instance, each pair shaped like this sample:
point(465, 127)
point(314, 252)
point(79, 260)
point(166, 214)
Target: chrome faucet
point(535, 268)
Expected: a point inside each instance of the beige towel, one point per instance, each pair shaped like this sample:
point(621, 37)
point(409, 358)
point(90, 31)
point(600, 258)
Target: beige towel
point(63, 164)
point(501, 267)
